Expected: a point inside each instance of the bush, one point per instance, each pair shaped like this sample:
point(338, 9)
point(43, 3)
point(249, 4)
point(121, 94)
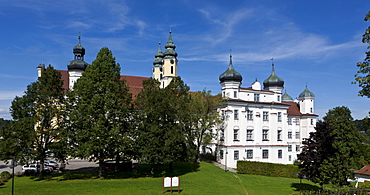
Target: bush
point(208, 156)
point(5, 176)
point(267, 169)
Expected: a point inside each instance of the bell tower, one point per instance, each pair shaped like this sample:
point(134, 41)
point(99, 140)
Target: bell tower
point(169, 62)
point(77, 66)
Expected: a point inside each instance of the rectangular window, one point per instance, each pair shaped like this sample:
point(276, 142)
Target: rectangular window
point(297, 135)
point(236, 114)
point(222, 135)
point(297, 121)
point(289, 121)
point(289, 135)
point(249, 154)
point(249, 134)
point(236, 134)
point(265, 115)
point(280, 153)
point(311, 121)
point(236, 154)
point(297, 148)
point(249, 114)
point(278, 98)
point(171, 69)
point(279, 136)
point(221, 154)
point(235, 94)
point(290, 157)
point(279, 116)
point(289, 148)
point(265, 135)
point(265, 153)
point(256, 97)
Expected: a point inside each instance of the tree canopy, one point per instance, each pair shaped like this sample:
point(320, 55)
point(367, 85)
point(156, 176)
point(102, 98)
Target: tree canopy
point(363, 74)
point(37, 118)
point(99, 110)
point(333, 150)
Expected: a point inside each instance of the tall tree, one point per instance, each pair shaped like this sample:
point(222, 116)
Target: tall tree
point(37, 117)
point(330, 153)
point(160, 137)
point(200, 118)
point(99, 110)
point(363, 75)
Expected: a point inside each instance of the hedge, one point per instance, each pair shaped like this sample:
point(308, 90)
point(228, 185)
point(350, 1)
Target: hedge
point(4, 176)
point(267, 169)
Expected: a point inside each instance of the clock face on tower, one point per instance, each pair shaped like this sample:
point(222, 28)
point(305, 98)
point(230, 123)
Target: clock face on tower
point(172, 61)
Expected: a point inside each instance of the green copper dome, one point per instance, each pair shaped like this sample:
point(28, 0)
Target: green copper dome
point(170, 48)
point(273, 80)
point(287, 97)
point(158, 56)
point(306, 93)
point(230, 74)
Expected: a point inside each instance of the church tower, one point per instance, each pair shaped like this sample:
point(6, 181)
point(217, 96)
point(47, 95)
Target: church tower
point(273, 83)
point(158, 64)
point(306, 101)
point(77, 66)
point(230, 81)
point(169, 63)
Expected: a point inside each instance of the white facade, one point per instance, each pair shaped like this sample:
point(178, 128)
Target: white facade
point(261, 124)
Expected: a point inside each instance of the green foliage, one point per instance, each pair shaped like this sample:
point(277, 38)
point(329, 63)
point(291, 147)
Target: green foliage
point(200, 118)
point(160, 138)
point(363, 74)
point(329, 154)
point(37, 118)
point(99, 111)
point(267, 169)
point(5, 176)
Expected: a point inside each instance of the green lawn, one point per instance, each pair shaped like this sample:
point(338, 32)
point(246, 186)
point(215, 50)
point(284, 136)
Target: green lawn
point(207, 179)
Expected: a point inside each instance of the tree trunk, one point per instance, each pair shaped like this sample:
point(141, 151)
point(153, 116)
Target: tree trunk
point(101, 166)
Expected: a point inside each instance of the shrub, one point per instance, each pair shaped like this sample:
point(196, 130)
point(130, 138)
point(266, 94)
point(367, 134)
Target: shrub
point(267, 169)
point(5, 176)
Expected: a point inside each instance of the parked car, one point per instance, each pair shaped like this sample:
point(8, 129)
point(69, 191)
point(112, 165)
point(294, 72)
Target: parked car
point(51, 163)
point(30, 169)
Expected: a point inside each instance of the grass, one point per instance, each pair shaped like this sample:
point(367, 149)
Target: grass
point(206, 179)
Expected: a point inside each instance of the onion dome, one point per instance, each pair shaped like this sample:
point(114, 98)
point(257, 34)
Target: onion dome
point(79, 53)
point(273, 81)
point(230, 74)
point(158, 56)
point(170, 48)
point(286, 97)
point(306, 93)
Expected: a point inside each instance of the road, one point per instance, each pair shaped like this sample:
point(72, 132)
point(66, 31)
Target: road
point(73, 165)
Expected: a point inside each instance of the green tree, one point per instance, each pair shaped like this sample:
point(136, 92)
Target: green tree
point(37, 118)
point(99, 111)
point(160, 138)
point(200, 118)
point(330, 153)
point(363, 74)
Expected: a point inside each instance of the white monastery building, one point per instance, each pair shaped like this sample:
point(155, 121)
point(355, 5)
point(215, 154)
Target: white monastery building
point(262, 124)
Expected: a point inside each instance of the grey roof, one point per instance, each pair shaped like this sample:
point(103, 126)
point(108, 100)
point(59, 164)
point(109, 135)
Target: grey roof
point(230, 74)
point(306, 93)
point(273, 80)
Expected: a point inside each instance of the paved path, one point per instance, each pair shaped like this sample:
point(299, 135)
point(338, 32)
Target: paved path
point(223, 167)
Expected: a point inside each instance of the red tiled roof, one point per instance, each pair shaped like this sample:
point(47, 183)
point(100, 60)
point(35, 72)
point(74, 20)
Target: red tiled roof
point(293, 109)
point(364, 170)
point(65, 79)
point(135, 83)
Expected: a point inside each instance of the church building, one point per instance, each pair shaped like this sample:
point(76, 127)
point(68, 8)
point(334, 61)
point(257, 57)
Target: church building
point(261, 124)
point(164, 69)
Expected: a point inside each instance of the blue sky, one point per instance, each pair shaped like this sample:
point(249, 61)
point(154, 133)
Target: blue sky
point(317, 43)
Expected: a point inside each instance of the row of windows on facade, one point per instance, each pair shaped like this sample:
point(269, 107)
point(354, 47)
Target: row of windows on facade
point(265, 153)
point(265, 135)
point(256, 96)
point(265, 116)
